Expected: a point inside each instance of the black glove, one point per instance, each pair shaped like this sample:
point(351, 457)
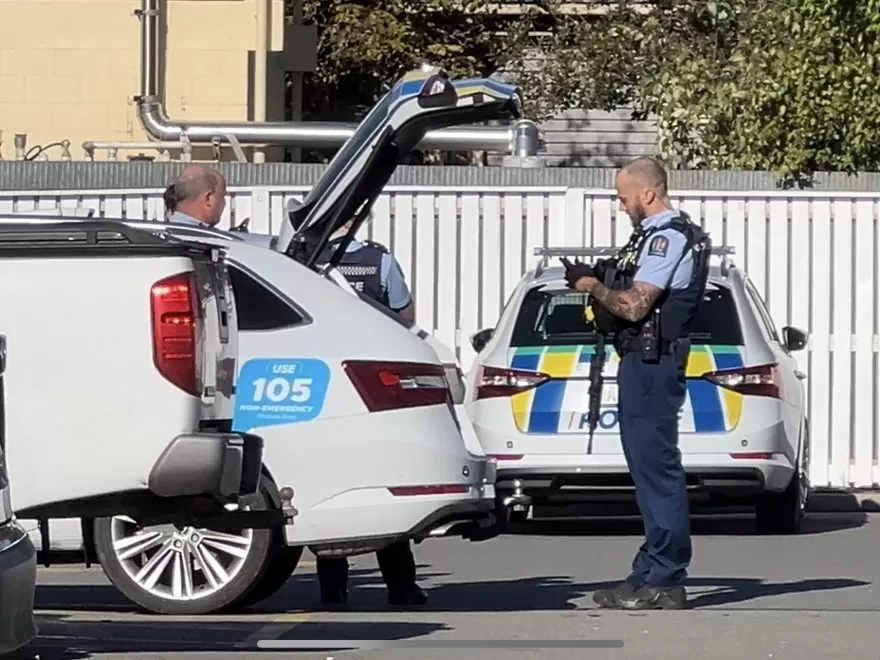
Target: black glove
point(576, 270)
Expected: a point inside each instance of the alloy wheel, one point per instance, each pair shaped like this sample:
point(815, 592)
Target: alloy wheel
point(178, 563)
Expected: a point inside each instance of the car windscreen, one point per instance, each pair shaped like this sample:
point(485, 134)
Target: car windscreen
point(555, 317)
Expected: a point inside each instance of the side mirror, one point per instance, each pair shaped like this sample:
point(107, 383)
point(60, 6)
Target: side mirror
point(481, 338)
point(794, 339)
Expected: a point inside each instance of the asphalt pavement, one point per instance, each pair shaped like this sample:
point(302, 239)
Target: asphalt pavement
point(806, 597)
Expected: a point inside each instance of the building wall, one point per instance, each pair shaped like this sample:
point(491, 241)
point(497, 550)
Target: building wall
point(69, 68)
point(595, 138)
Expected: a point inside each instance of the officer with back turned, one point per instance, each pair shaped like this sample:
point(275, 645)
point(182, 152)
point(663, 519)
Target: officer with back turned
point(374, 272)
point(654, 306)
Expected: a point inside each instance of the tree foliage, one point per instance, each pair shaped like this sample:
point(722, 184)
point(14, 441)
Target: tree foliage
point(789, 86)
point(365, 45)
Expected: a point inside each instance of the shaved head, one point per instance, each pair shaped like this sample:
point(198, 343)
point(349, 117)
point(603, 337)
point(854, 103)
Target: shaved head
point(649, 173)
point(642, 189)
point(201, 193)
point(195, 180)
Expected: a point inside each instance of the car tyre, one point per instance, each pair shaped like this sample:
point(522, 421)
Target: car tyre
point(250, 566)
point(783, 513)
point(282, 563)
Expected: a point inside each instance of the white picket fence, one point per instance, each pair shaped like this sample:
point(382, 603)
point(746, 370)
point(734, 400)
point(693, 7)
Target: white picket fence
point(812, 256)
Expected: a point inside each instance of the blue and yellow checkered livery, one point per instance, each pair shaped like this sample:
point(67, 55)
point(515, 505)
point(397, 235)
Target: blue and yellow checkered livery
point(559, 405)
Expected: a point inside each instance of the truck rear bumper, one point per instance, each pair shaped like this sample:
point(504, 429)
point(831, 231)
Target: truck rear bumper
point(18, 577)
point(224, 465)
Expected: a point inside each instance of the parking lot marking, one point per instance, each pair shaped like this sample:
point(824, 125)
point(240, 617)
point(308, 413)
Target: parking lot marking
point(279, 625)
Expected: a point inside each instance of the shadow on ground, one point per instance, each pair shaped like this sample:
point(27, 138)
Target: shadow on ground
point(740, 525)
point(544, 593)
point(62, 639)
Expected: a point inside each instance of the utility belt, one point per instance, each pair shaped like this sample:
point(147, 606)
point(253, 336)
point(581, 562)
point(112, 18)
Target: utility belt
point(646, 340)
point(634, 345)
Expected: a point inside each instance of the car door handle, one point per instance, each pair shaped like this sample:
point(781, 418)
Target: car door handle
point(800, 374)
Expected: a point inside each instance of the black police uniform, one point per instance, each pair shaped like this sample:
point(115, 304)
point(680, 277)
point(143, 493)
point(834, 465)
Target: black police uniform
point(363, 269)
point(652, 390)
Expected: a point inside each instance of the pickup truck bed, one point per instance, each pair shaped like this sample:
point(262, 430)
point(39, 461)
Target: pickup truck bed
point(119, 400)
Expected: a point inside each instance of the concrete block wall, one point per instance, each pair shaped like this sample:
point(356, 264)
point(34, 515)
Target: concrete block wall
point(69, 68)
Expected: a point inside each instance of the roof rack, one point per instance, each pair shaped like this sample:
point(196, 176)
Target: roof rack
point(547, 253)
point(77, 211)
point(67, 236)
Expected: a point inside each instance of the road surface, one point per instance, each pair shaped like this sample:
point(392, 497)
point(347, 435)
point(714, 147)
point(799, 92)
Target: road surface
point(785, 598)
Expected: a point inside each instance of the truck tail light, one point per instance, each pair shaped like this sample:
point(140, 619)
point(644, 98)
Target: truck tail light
point(176, 322)
point(764, 380)
point(397, 385)
point(495, 382)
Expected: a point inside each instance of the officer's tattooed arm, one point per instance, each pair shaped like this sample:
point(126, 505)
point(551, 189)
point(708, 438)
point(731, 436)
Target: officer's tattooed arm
point(631, 304)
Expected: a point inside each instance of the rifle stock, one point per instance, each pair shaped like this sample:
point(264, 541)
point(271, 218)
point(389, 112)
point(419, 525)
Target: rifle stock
point(597, 364)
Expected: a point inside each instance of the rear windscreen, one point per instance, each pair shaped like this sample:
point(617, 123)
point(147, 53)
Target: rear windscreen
point(555, 317)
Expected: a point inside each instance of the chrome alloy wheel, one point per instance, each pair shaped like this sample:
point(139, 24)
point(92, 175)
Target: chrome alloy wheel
point(178, 563)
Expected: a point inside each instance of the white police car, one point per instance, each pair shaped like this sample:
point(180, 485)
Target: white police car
point(743, 429)
point(356, 410)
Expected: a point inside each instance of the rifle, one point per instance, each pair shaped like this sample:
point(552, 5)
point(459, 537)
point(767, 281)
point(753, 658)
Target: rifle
point(597, 364)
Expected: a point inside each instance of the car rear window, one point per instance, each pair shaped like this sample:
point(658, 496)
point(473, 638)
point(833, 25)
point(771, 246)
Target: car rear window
point(555, 317)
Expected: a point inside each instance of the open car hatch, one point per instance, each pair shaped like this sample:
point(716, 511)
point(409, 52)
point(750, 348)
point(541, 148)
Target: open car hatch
point(421, 101)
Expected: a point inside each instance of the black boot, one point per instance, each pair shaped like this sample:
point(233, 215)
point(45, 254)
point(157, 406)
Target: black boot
point(646, 597)
point(398, 567)
point(333, 578)
point(610, 598)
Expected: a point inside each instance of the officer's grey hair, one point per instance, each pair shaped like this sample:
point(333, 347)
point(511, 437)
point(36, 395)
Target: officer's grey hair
point(650, 172)
point(195, 180)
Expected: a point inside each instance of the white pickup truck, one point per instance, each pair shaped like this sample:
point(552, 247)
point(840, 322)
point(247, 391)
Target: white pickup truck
point(18, 564)
point(120, 399)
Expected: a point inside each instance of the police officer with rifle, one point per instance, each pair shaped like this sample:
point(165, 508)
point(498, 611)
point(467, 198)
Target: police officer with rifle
point(645, 300)
point(375, 273)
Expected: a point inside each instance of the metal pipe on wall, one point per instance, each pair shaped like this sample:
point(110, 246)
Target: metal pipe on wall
point(261, 56)
point(313, 135)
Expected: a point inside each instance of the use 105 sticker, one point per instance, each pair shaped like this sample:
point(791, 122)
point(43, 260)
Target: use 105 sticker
point(276, 391)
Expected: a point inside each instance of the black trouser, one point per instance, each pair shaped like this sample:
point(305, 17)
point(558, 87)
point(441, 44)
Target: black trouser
point(396, 562)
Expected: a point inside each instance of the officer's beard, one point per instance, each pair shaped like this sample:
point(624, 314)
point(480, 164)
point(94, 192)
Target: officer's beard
point(638, 216)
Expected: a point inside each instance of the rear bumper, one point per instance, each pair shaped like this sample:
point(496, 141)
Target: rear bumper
point(471, 516)
point(711, 478)
point(224, 465)
point(18, 577)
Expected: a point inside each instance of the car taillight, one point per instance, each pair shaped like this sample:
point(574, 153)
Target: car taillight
point(175, 316)
point(494, 382)
point(396, 385)
point(757, 381)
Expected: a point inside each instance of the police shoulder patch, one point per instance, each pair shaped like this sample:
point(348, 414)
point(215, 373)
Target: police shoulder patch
point(658, 246)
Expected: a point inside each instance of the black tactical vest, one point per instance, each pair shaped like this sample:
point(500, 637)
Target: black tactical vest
point(677, 307)
point(361, 267)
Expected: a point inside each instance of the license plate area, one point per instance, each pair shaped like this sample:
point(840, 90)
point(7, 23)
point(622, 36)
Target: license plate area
point(608, 421)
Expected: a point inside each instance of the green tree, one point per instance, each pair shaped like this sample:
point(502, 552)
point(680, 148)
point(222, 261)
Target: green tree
point(789, 86)
point(365, 45)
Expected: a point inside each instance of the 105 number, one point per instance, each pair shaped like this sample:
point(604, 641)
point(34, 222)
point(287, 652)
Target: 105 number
point(279, 389)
